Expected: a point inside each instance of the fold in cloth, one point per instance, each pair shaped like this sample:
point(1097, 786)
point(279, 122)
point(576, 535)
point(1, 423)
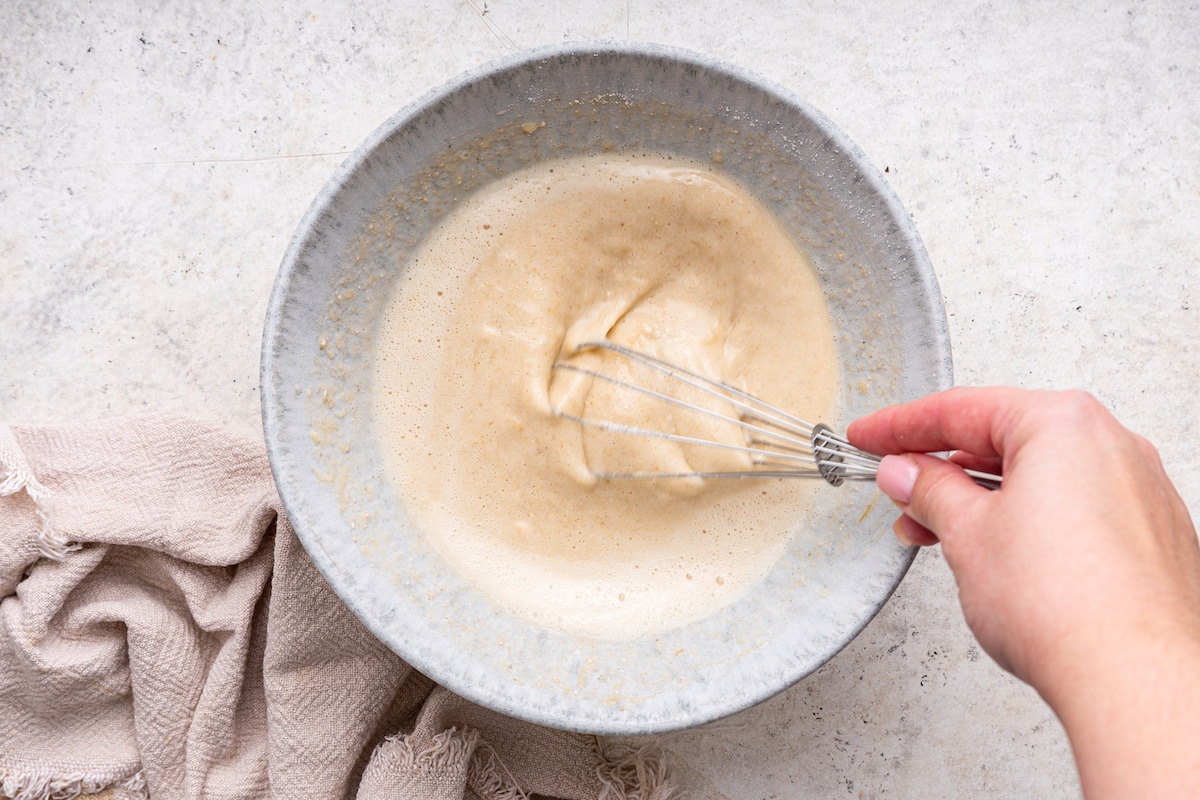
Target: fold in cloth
point(163, 634)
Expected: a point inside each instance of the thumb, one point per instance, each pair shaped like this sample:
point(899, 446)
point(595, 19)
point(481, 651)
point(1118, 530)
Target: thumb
point(933, 492)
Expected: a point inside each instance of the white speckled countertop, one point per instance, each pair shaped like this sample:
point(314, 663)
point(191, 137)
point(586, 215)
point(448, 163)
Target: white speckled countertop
point(154, 163)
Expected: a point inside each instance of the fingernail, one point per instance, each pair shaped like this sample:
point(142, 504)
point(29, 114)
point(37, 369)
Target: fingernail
point(896, 477)
point(901, 532)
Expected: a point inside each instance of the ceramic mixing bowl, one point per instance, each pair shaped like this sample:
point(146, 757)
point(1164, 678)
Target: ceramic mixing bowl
point(350, 251)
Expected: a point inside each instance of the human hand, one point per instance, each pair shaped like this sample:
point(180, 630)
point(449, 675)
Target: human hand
point(1081, 575)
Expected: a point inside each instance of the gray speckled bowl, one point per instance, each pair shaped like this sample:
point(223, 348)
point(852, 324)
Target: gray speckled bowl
point(348, 253)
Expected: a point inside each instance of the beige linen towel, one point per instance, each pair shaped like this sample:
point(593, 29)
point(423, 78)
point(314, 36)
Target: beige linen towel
point(163, 634)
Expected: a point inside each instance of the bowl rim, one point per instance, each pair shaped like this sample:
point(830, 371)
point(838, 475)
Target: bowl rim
point(273, 412)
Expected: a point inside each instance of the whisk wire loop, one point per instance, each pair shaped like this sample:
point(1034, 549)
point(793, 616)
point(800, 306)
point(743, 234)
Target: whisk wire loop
point(779, 444)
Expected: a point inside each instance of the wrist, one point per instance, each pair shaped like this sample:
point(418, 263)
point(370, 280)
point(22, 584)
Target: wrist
point(1131, 708)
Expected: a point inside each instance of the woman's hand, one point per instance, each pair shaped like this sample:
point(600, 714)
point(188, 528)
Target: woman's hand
point(1081, 575)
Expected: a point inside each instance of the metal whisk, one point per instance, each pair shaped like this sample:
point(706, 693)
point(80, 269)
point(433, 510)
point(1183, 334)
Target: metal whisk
point(778, 444)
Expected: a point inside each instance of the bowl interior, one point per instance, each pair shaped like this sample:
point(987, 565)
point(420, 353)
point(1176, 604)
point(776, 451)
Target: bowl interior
point(347, 256)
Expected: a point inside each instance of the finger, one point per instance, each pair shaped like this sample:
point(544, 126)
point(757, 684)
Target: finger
point(895, 476)
point(912, 533)
point(934, 493)
point(971, 419)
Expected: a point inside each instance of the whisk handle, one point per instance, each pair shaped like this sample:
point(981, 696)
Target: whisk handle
point(985, 479)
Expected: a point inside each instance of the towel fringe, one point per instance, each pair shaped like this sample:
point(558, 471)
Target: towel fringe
point(489, 778)
point(634, 773)
point(41, 786)
point(13, 478)
point(449, 749)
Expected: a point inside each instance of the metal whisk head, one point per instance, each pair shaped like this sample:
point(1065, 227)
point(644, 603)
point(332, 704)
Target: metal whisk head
point(777, 443)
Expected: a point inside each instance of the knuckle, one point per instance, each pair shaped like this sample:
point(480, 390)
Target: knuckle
point(1147, 451)
point(1074, 409)
point(1080, 404)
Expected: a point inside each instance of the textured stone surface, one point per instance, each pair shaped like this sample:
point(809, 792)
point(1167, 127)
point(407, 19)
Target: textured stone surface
point(154, 163)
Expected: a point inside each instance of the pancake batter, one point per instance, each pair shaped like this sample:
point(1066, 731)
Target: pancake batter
point(665, 256)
